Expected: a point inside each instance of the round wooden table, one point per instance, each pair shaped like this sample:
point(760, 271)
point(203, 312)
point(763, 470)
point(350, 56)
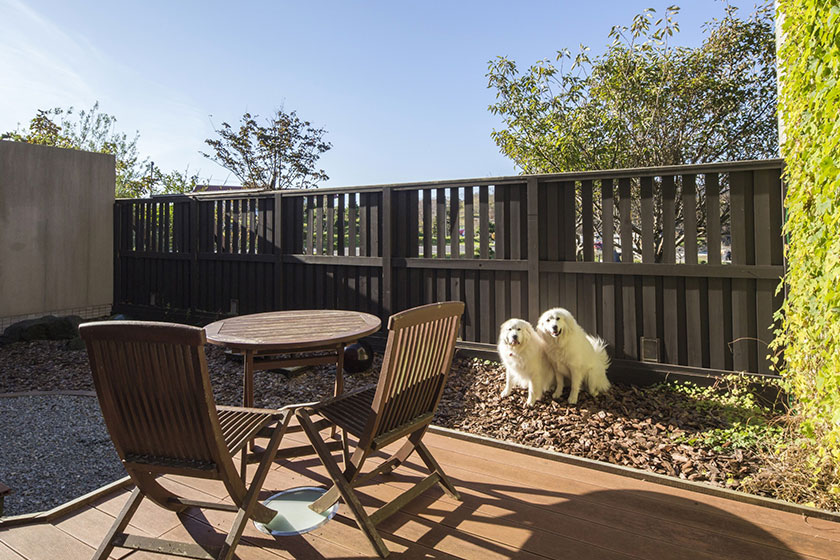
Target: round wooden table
point(262, 336)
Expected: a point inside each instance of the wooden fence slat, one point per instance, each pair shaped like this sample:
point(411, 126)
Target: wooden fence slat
point(330, 224)
point(427, 223)
point(276, 247)
point(743, 290)
point(712, 193)
point(554, 240)
point(236, 226)
point(472, 310)
point(696, 333)
point(364, 224)
point(400, 201)
point(670, 334)
point(353, 225)
point(607, 220)
point(569, 221)
point(531, 239)
point(669, 216)
point(341, 225)
point(500, 197)
point(374, 217)
point(717, 342)
point(469, 223)
point(454, 224)
point(440, 217)
point(625, 220)
point(516, 224)
point(413, 229)
point(587, 209)
point(319, 225)
point(483, 222)
point(647, 241)
point(385, 296)
point(166, 235)
point(648, 302)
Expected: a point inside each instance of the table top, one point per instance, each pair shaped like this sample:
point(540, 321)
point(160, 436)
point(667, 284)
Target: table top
point(291, 330)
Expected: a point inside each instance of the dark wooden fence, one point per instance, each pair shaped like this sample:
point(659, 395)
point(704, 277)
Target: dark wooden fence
point(691, 290)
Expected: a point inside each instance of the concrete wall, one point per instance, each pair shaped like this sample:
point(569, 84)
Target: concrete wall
point(56, 231)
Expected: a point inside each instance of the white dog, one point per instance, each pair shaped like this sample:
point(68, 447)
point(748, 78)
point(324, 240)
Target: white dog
point(526, 363)
point(573, 353)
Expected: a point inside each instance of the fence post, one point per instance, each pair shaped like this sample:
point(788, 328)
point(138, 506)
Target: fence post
point(194, 248)
point(386, 247)
point(278, 251)
point(533, 250)
point(118, 245)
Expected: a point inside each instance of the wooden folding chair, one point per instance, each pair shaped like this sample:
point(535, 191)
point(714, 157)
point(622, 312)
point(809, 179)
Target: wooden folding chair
point(154, 390)
point(418, 356)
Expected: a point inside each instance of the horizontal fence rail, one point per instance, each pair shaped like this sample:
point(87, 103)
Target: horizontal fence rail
point(678, 265)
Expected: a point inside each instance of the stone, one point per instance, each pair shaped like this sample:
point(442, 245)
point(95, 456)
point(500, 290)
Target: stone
point(76, 344)
point(48, 327)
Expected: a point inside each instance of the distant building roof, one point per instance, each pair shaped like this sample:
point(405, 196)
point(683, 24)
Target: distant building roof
point(217, 188)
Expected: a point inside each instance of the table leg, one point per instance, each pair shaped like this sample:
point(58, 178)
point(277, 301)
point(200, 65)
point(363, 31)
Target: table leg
point(339, 373)
point(248, 381)
point(339, 381)
point(247, 397)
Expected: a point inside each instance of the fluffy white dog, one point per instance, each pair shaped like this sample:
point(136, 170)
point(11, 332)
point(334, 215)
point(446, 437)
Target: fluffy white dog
point(573, 354)
point(526, 363)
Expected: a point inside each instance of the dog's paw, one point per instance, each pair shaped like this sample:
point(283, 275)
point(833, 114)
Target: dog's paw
point(531, 401)
point(573, 399)
point(505, 393)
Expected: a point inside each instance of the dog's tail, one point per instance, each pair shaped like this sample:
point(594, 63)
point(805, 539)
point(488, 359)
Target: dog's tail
point(598, 382)
point(600, 347)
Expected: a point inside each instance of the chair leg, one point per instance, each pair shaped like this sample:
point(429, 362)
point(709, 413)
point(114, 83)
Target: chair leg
point(251, 508)
point(120, 523)
point(343, 485)
point(433, 466)
point(399, 457)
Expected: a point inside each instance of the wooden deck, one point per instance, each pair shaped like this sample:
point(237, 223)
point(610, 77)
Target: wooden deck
point(514, 506)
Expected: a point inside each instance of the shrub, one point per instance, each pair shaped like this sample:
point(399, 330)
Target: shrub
point(809, 62)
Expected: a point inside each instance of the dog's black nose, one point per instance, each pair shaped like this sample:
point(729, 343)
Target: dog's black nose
point(514, 336)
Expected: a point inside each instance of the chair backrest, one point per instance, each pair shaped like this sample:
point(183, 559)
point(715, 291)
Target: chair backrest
point(155, 395)
point(418, 356)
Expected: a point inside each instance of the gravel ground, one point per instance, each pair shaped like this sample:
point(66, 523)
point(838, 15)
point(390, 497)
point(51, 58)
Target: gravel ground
point(627, 426)
point(55, 449)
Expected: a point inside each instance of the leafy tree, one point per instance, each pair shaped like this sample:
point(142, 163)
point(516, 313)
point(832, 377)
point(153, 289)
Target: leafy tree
point(279, 155)
point(644, 102)
point(174, 182)
point(93, 131)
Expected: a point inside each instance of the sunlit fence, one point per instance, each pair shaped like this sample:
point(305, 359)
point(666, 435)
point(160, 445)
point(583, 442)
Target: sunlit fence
point(674, 264)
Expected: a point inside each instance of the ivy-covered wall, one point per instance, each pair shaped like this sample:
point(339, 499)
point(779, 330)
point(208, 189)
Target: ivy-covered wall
point(809, 105)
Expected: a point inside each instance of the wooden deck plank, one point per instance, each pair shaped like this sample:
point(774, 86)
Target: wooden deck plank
point(8, 554)
point(149, 517)
point(44, 542)
point(90, 526)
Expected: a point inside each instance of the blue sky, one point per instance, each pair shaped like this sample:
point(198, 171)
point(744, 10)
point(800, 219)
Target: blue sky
point(400, 86)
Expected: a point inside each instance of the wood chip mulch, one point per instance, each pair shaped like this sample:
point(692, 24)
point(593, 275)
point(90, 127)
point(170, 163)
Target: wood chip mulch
point(628, 426)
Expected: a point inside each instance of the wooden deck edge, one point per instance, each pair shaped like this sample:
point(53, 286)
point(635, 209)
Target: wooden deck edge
point(65, 508)
point(639, 474)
